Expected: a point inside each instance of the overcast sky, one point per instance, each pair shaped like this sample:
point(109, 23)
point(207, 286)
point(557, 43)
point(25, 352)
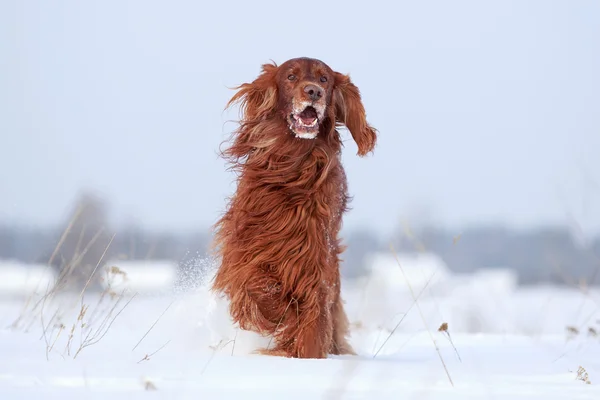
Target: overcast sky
point(488, 111)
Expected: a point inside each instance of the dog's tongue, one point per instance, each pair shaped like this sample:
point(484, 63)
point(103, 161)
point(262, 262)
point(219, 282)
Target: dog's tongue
point(308, 116)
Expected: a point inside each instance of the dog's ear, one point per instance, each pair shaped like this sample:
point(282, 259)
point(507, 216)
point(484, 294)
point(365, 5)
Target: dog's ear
point(350, 112)
point(258, 101)
point(259, 98)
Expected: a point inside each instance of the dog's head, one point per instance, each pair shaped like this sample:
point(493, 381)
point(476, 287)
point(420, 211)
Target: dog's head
point(308, 97)
point(305, 91)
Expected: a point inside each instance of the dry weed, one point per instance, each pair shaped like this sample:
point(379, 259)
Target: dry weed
point(582, 375)
point(92, 321)
point(95, 335)
point(444, 329)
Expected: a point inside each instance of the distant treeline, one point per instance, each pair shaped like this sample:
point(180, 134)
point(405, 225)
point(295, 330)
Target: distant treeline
point(545, 255)
point(539, 255)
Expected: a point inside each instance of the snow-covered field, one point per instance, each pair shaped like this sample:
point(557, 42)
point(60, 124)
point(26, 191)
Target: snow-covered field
point(503, 342)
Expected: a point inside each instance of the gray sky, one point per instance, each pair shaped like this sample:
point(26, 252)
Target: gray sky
point(487, 111)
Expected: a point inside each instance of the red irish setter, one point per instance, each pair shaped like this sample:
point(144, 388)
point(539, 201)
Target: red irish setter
point(278, 241)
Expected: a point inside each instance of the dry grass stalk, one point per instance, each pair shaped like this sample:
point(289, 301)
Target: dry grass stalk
point(65, 233)
point(218, 346)
point(101, 318)
point(422, 316)
point(416, 242)
point(89, 335)
point(98, 309)
point(151, 327)
point(54, 316)
point(582, 287)
point(60, 329)
point(61, 241)
point(147, 356)
point(50, 293)
point(280, 320)
point(404, 316)
point(59, 285)
point(97, 265)
point(444, 329)
point(102, 330)
point(234, 340)
point(79, 321)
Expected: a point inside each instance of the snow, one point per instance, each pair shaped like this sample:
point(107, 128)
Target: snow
point(420, 269)
point(17, 278)
point(504, 342)
point(141, 276)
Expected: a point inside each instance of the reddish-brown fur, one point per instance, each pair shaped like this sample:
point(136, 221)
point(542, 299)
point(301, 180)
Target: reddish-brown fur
point(278, 240)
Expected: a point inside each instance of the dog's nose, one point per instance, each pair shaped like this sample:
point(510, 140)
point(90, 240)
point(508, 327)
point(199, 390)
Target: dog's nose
point(313, 91)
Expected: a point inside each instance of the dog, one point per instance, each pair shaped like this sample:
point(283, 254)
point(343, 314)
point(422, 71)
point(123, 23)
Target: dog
point(278, 241)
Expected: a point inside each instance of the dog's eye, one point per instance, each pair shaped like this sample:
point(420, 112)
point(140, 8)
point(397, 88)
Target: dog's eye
point(291, 77)
point(323, 79)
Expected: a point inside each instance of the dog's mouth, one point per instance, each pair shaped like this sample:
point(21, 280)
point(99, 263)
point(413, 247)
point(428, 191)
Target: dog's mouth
point(305, 124)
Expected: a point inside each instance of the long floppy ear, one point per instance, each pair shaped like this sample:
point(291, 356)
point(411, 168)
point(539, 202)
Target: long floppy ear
point(350, 112)
point(259, 98)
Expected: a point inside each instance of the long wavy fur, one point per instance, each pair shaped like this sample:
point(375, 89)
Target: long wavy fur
point(278, 240)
